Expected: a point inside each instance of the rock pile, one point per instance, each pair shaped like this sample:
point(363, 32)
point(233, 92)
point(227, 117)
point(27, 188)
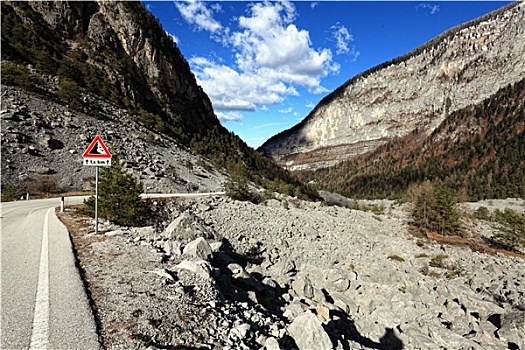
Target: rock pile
point(296, 275)
point(41, 137)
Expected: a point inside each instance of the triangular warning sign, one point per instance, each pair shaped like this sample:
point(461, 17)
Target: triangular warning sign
point(97, 149)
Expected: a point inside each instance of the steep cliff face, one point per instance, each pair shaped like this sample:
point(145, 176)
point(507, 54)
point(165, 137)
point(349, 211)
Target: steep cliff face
point(120, 45)
point(417, 91)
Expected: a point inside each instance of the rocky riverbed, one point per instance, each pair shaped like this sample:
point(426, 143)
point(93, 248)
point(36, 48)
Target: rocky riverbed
point(222, 274)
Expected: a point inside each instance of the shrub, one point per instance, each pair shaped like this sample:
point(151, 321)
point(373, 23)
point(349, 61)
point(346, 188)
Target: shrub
point(238, 189)
point(510, 229)
point(119, 197)
point(9, 192)
point(455, 270)
point(68, 91)
point(482, 213)
point(438, 261)
point(17, 75)
point(47, 184)
point(40, 185)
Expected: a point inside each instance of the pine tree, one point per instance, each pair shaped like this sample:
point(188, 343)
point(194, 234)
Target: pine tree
point(119, 196)
point(510, 229)
point(434, 208)
point(447, 213)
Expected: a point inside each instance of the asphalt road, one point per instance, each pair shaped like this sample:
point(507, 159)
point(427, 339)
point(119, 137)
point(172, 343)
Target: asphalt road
point(43, 302)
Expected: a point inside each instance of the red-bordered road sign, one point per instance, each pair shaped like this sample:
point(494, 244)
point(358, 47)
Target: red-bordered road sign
point(97, 153)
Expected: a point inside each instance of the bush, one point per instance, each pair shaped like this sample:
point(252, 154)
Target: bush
point(9, 192)
point(238, 189)
point(47, 184)
point(41, 185)
point(13, 74)
point(438, 261)
point(482, 213)
point(119, 197)
point(510, 229)
point(68, 91)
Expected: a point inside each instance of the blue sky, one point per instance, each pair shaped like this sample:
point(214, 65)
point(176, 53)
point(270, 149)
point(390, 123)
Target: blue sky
point(265, 65)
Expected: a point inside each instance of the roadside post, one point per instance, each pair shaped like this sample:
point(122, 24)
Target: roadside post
point(97, 154)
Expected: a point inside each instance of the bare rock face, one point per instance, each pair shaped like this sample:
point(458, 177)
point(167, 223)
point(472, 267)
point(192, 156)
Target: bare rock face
point(417, 91)
point(127, 45)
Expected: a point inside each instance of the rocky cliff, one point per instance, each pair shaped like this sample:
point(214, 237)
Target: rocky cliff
point(417, 91)
point(116, 49)
point(78, 69)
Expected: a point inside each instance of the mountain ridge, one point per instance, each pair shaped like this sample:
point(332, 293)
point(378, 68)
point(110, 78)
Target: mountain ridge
point(478, 151)
point(464, 65)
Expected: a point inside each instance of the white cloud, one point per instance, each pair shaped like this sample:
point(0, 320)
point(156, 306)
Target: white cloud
point(229, 117)
point(272, 57)
point(286, 110)
point(433, 9)
point(267, 125)
point(314, 5)
point(231, 90)
point(196, 13)
point(343, 38)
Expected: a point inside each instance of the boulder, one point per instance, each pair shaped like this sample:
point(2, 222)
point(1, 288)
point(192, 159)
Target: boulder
point(172, 247)
point(336, 280)
point(271, 344)
point(512, 328)
point(187, 227)
point(302, 286)
point(197, 266)
point(308, 333)
point(199, 248)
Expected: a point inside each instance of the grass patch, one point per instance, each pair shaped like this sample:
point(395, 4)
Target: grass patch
point(438, 261)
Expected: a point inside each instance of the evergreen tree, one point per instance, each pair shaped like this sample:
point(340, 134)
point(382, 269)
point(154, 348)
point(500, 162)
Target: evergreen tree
point(510, 229)
point(447, 214)
point(237, 188)
point(119, 196)
point(434, 208)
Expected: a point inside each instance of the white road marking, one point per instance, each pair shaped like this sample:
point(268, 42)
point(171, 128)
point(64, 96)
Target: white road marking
point(39, 337)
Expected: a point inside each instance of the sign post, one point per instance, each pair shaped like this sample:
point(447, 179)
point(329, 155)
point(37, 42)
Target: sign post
point(97, 154)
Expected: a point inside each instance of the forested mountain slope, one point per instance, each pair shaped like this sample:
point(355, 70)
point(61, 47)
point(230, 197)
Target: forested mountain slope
point(478, 151)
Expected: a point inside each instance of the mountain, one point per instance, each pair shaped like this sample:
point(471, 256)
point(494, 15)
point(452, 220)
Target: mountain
point(412, 93)
point(71, 70)
point(114, 50)
point(479, 151)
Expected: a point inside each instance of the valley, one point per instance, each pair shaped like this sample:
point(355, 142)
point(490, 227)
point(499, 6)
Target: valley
point(390, 218)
